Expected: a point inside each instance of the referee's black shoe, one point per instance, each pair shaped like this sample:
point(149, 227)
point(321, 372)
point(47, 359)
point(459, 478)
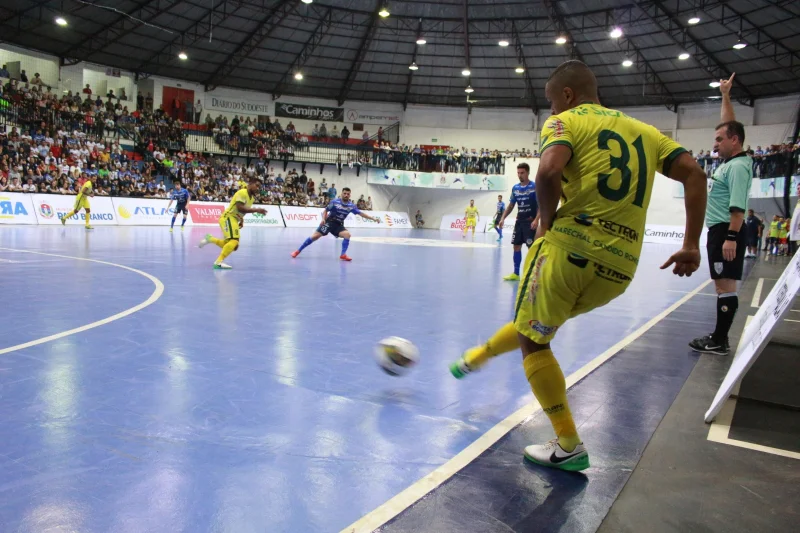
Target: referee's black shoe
point(707, 344)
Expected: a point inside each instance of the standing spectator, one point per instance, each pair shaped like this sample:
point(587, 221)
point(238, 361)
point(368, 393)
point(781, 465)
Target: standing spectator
point(332, 192)
point(198, 110)
point(753, 226)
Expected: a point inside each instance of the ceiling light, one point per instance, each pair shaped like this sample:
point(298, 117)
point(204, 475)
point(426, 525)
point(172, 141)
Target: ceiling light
point(61, 21)
point(413, 66)
point(465, 72)
point(627, 63)
point(519, 70)
point(714, 84)
point(503, 43)
point(561, 40)
point(694, 20)
point(739, 45)
point(616, 33)
point(421, 41)
point(384, 12)
point(306, 1)
point(183, 55)
point(298, 75)
point(469, 89)
point(684, 55)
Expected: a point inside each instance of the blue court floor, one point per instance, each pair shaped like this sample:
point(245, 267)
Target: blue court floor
point(249, 400)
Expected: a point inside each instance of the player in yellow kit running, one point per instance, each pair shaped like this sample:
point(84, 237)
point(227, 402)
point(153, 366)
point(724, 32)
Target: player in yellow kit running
point(601, 164)
point(232, 220)
point(81, 202)
point(470, 218)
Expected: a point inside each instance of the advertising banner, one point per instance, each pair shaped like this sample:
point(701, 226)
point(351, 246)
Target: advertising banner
point(360, 116)
point(144, 211)
point(237, 105)
point(388, 220)
point(660, 234)
point(437, 180)
point(16, 208)
point(458, 222)
point(309, 112)
point(49, 208)
point(272, 219)
point(205, 213)
point(301, 217)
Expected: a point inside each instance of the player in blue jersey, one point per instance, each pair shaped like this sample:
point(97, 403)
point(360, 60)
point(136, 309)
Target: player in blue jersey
point(333, 223)
point(523, 195)
point(181, 196)
point(498, 216)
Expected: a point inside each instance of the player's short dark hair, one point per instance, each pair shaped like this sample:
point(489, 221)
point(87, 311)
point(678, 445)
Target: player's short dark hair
point(526, 166)
point(577, 76)
point(732, 128)
point(346, 189)
point(255, 179)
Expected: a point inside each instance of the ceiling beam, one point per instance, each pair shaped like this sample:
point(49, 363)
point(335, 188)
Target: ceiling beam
point(764, 42)
point(306, 52)
point(680, 34)
point(413, 60)
point(272, 20)
point(531, 93)
point(650, 76)
point(557, 19)
point(355, 66)
point(109, 32)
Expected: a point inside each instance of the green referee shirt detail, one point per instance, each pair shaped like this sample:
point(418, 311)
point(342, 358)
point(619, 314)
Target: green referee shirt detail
point(729, 187)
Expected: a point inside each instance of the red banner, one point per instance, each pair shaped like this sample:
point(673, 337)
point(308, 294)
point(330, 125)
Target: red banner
point(203, 213)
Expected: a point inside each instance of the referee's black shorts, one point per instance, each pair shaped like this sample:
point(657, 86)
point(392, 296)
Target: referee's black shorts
point(719, 268)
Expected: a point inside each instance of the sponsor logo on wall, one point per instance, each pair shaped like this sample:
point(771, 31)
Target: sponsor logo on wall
point(310, 112)
point(16, 208)
point(237, 105)
point(369, 117)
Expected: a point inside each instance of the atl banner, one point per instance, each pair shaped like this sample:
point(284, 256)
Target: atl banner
point(310, 112)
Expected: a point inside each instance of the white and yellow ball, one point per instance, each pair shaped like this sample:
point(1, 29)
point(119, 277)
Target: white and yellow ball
point(396, 356)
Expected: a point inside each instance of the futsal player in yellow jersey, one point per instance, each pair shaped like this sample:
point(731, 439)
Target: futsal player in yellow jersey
point(600, 163)
point(232, 220)
point(470, 218)
point(81, 202)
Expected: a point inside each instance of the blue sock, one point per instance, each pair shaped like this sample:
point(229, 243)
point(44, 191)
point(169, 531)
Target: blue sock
point(306, 243)
point(517, 261)
point(173, 222)
point(499, 230)
point(182, 223)
point(345, 244)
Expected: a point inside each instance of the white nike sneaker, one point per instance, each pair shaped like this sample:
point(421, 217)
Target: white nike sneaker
point(222, 266)
point(206, 240)
point(553, 455)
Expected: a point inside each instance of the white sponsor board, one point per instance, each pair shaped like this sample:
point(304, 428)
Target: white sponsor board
point(758, 333)
point(272, 219)
point(301, 217)
point(49, 208)
point(238, 105)
point(16, 208)
point(660, 234)
point(437, 180)
point(388, 220)
point(143, 211)
point(457, 223)
point(362, 116)
point(508, 223)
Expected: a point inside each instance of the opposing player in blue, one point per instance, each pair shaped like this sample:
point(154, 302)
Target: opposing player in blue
point(498, 216)
point(333, 223)
point(523, 195)
point(181, 196)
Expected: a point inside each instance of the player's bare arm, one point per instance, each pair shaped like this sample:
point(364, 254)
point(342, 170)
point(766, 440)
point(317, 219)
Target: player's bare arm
point(244, 209)
point(729, 247)
point(727, 113)
point(685, 170)
point(548, 184)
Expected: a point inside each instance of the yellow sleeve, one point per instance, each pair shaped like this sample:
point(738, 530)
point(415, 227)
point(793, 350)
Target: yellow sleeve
point(240, 196)
point(555, 131)
point(668, 150)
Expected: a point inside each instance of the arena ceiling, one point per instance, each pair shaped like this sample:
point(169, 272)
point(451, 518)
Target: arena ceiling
point(346, 50)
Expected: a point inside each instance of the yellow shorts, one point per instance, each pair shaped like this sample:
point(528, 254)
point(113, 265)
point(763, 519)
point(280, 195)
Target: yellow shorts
point(471, 222)
point(230, 227)
point(558, 285)
point(81, 202)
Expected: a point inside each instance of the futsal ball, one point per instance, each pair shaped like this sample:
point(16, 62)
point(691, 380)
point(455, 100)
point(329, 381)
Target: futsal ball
point(396, 356)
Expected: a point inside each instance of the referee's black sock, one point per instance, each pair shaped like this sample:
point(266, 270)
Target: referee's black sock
point(727, 304)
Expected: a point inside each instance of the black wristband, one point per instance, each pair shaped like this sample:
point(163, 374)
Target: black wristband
point(731, 235)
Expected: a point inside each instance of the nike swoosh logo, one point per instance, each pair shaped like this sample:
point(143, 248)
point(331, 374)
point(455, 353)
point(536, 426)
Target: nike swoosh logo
point(556, 459)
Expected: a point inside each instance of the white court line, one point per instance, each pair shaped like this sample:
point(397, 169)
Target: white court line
point(721, 426)
point(157, 292)
point(418, 490)
point(791, 320)
point(757, 294)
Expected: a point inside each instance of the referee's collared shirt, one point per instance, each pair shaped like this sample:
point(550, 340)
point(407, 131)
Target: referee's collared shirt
point(729, 188)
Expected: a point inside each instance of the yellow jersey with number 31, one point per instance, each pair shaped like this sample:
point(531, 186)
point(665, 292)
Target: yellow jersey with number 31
point(607, 183)
point(242, 195)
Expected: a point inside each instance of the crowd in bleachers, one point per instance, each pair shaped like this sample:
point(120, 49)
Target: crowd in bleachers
point(768, 162)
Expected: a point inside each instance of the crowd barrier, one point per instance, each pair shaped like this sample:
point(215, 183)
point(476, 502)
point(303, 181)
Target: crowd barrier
point(47, 209)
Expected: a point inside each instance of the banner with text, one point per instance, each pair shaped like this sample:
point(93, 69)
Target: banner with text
point(16, 208)
point(237, 105)
point(143, 211)
point(437, 180)
point(359, 116)
point(758, 332)
point(309, 112)
point(50, 208)
point(458, 222)
point(661, 234)
point(388, 220)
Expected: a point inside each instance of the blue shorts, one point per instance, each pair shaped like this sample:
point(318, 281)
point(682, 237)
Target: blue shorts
point(334, 227)
point(181, 208)
point(523, 234)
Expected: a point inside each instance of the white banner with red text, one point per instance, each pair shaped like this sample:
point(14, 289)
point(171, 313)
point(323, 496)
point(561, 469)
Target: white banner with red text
point(311, 217)
point(457, 223)
point(16, 208)
point(50, 208)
